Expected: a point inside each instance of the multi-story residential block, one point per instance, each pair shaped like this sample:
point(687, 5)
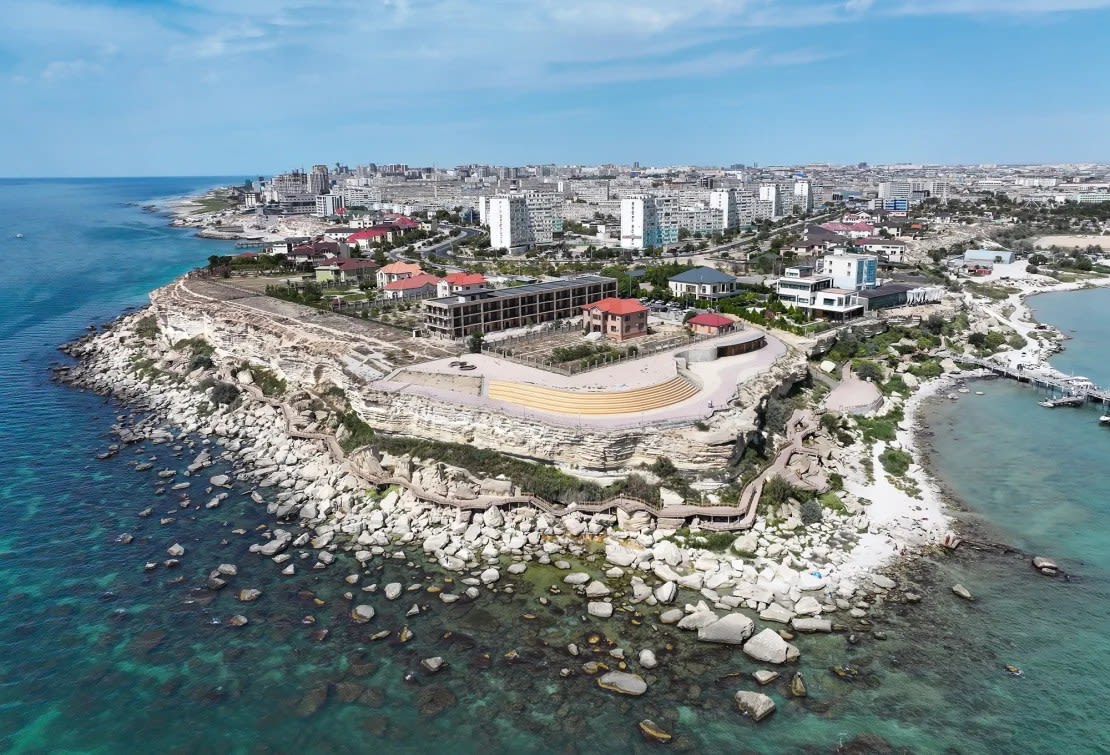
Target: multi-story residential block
point(724, 201)
point(803, 195)
point(508, 222)
point(319, 182)
point(488, 311)
point(328, 205)
point(655, 221)
point(522, 220)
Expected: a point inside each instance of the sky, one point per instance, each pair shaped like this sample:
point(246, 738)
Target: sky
point(228, 87)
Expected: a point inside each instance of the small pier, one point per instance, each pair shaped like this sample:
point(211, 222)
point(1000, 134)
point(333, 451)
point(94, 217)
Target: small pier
point(1075, 391)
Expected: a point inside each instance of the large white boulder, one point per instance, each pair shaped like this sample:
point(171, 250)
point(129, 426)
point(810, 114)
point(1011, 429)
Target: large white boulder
point(755, 705)
point(730, 629)
point(769, 647)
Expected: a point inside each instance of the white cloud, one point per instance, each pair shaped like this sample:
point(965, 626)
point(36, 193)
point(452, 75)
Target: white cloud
point(59, 70)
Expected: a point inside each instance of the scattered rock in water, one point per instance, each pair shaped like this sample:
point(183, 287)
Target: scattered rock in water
point(434, 700)
point(517, 568)
point(797, 685)
point(433, 664)
point(623, 683)
point(671, 616)
point(405, 634)
point(362, 613)
point(312, 701)
point(1045, 566)
point(599, 609)
point(176, 550)
point(489, 576)
point(765, 677)
point(647, 659)
point(577, 578)
point(597, 589)
point(755, 705)
point(962, 591)
point(393, 591)
point(238, 620)
point(653, 733)
point(769, 647)
point(248, 594)
point(126, 538)
point(731, 629)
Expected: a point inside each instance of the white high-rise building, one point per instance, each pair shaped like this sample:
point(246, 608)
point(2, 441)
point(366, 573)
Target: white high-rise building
point(328, 205)
point(725, 201)
point(803, 195)
point(508, 222)
point(655, 221)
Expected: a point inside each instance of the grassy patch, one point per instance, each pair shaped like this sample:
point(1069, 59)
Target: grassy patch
point(358, 432)
point(884, 427)
point(986, 290)
point(147, 328)
point(543, 480)
point(832, 502)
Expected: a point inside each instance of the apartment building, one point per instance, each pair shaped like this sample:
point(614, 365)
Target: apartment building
point(319, 181)
point(521, 221)
point(654, 221)
point(489, 311)
point(328, 205)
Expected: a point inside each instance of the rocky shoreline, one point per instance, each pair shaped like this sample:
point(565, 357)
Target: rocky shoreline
point(615, 566)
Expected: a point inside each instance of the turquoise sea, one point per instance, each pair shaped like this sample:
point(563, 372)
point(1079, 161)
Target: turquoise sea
point(99, 655)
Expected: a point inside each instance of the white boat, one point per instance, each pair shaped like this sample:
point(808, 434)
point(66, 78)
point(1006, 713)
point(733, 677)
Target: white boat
point(1104, 419)
point(19, 235)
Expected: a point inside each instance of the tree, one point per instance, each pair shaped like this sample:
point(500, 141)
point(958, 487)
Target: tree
point(475, 342)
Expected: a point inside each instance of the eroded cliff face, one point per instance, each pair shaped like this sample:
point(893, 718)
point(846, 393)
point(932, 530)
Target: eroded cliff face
point(315, 359)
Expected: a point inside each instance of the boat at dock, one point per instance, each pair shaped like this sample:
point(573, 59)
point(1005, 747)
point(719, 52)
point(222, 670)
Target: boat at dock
point(1052, 403)
point(1104, 419)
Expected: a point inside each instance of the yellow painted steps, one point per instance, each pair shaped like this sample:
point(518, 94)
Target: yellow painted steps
point(595, 403)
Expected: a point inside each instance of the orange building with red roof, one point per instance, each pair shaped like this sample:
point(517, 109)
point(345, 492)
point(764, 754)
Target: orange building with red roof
point(415, 287)
point(617, 319)
point(710, 324)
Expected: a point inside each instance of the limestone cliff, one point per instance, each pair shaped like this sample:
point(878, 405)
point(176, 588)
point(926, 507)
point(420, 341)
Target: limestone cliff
point(311, 355)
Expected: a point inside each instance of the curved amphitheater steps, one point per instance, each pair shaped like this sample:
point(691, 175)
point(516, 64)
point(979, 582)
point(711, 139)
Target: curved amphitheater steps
point(611, 402)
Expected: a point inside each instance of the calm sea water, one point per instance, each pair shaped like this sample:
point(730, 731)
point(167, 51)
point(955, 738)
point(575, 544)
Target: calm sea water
point(99, 655)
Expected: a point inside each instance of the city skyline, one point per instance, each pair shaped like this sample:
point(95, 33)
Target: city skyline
point(177, 88)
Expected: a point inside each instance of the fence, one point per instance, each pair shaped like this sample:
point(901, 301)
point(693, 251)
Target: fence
point(508, 348)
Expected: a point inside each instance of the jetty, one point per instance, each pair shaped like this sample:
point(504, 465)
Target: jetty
point(1074, 390)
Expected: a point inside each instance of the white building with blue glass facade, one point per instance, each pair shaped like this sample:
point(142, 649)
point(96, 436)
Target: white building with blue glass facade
point(850, 271)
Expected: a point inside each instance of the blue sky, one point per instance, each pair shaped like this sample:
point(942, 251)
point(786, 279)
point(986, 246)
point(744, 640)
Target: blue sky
point(210, 87)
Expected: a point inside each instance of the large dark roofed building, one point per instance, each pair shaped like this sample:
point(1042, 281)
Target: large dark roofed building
point(491, 310)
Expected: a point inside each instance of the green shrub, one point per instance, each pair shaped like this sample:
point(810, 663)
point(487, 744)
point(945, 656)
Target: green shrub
point(836, 481)
point(715, 541)
point(811, 512)
point(663, 467)
point(884, 427)
point(895, 461)
point(776, 491)
point(224, 393)
point(200, 362)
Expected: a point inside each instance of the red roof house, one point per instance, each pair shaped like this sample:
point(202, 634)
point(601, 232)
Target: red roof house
point(414, 287)
point(617, 318)
point(710, 324)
